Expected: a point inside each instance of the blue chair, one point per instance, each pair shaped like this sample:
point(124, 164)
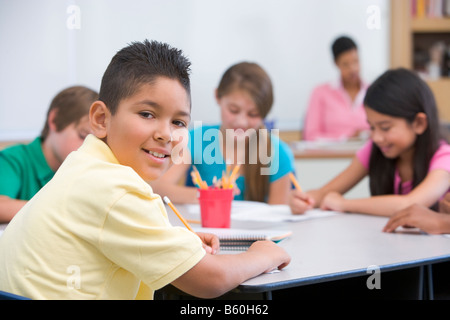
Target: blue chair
point(11, 296)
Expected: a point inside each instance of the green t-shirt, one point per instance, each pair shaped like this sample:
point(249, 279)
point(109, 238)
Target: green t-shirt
point(23, 170)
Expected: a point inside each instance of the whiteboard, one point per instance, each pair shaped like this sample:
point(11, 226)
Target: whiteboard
point(48, 45)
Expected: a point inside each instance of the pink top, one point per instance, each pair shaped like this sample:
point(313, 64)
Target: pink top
point(333, 115)
point(440, 160)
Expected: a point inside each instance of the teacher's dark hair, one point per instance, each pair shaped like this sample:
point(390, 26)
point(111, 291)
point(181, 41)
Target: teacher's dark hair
point(341, 45)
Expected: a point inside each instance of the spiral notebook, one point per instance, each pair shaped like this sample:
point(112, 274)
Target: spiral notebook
point(241, 239)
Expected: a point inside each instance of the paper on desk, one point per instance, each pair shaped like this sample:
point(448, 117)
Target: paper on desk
point(277, 213)
point(259, 211)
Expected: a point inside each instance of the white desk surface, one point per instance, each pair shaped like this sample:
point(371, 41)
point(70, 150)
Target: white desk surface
point(340, 246)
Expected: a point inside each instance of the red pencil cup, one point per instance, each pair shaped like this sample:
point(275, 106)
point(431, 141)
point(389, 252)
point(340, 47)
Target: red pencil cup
point(215, 207)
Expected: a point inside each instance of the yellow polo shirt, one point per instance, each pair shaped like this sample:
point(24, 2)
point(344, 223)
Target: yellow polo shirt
point(95, 231)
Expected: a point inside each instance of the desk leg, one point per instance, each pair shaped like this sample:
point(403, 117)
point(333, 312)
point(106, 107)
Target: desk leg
point(421, 289)
point(267, 295)
point(426, 290)
point(429, 282)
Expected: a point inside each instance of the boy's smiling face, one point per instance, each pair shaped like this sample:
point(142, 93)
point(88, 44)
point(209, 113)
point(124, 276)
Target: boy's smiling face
point(140, 132)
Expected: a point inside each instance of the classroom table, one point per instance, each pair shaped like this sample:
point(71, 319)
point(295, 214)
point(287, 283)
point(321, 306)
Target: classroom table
point(338, 254)
point(342, 248)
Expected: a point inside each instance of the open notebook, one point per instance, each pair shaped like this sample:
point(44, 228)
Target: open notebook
point(241, 239)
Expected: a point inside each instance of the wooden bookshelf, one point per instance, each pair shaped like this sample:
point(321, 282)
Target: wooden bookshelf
point(425, 25)
point(405, 29)
point(441, 89)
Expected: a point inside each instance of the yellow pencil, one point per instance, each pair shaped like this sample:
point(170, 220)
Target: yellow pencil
point(201, 183)
point(297, 186)
point(194, 179)
point(167, 200)
point(294, 181)
point(233, 174)
point(224, 179)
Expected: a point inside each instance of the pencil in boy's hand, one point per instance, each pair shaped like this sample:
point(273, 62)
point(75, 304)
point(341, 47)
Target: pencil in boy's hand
point(170, 204)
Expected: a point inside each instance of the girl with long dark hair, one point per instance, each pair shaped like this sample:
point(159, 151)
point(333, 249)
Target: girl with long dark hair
point(407, 160)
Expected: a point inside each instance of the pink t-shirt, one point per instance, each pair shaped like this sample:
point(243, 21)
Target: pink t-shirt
point(331, 113)
point(440, 160)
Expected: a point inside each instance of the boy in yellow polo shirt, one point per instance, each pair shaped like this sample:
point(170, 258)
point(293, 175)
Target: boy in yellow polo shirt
point(97, 230)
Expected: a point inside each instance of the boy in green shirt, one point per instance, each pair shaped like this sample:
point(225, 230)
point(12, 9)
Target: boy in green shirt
point(25, 169)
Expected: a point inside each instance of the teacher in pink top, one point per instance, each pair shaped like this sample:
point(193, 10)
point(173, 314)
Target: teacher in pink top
point(335, 110)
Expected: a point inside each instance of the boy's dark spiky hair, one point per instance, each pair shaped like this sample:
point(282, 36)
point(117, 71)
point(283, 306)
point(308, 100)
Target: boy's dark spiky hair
point(140, 63)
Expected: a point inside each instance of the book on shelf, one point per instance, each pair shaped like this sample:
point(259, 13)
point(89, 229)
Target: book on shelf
point(430, 8)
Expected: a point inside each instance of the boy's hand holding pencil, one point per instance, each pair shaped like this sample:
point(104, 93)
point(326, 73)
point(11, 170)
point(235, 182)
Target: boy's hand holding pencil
point(210, 242)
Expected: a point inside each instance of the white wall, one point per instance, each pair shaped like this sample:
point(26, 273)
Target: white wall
point(40, 55)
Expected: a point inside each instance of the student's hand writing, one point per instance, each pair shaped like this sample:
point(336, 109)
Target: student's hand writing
point(444, 204)
point(333, 201)
point(279, 258)
point(299, 201)
point(210, 241)
point(415, 216)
